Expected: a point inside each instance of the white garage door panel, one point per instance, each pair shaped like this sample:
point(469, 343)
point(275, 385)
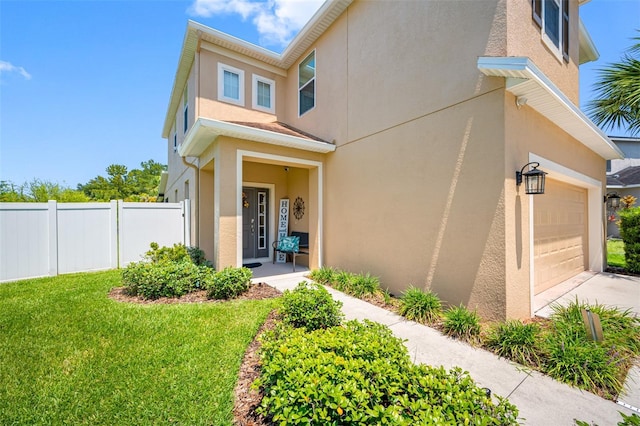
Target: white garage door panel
point(560, 234)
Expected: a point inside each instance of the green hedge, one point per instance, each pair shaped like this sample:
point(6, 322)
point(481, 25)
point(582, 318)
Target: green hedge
point(630, 232)
point(361, 374)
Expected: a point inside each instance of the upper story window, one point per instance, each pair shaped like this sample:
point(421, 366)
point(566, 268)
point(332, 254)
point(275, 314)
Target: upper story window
point(175, 142)
point(185, 108)
point(264, 94)
point(307, 83)
point(552, 16)
point(230, 84)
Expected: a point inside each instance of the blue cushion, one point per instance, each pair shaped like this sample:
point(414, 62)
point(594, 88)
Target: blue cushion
point(289, 244)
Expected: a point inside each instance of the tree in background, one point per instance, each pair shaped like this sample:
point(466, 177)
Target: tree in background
point(121, 184)
point(39, 191)
point(617, 103)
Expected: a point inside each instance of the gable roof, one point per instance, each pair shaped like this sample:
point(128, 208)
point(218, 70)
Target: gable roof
point(629, 177)
point(319, 22)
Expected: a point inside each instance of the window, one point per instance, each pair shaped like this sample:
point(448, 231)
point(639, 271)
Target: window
point(186, 190)
point(230, 84)
point(307, 83)
point(263, 94)
point(552, 16)
point(175, 142)
point(185, 108)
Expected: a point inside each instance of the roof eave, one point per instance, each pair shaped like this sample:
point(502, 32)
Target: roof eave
point(205, 131)
point(587, 51)
point(525, 79)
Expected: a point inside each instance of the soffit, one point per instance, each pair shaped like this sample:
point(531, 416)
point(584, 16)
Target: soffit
point(205, 131)
point(524, 79)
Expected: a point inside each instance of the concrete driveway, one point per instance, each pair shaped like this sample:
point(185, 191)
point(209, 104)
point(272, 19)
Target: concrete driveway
point(621, 291)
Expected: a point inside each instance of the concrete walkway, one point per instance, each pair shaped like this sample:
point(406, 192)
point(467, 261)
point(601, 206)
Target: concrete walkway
point(540, 400)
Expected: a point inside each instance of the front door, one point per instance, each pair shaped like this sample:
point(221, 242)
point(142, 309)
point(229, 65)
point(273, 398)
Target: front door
point(255, 220)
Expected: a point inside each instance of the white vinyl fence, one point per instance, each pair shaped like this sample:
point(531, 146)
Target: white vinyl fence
point(47, 239)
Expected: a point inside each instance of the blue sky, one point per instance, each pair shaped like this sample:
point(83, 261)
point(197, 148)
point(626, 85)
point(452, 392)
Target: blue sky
point(85, 84)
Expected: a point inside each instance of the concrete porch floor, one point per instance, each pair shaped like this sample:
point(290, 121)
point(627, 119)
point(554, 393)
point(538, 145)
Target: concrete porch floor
point(269, 270)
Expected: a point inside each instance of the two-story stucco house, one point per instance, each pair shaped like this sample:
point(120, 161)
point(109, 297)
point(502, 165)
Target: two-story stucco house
point(401, 126)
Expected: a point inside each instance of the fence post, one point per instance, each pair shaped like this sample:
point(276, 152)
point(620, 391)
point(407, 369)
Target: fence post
point(115, 234)
point(186, 221)
point(52, 207)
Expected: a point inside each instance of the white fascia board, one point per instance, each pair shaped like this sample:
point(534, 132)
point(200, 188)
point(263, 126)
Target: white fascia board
point(588, 51)
point(525, 79)
point(623, 186)
point(205, 131)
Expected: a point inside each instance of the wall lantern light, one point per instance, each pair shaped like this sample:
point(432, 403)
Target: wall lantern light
point(613, 201)
point(533, 179)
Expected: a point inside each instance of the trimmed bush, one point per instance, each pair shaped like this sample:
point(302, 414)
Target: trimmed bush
point(461, 323)
point(228, 283)
point(420, 306)
point(310, 306)
point(197, 256)
point(361, 374)
point(163, 278)
point(177, 253)
point(630, 233)
point(515, 341)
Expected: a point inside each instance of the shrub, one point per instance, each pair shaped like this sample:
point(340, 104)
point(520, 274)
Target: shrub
point(228, 283)
point(324, 275)
point(310, 306)
point(363, 285)
point(574, 359)
point(630, 232)
point(177, 253)
point(342, 281)
point(163, 278)
point(515, 341)
point(461, 323)
point(420, 306)
point(196, 255)
point(361, 374)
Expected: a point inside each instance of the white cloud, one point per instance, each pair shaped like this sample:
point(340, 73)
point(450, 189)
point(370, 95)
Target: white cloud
point(277, 21)
point(9, 67)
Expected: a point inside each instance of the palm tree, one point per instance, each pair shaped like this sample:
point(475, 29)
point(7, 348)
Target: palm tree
point(617, 103)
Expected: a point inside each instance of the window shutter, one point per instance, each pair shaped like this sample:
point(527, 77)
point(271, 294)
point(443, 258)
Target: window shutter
point(537, 11)
point(565, 30)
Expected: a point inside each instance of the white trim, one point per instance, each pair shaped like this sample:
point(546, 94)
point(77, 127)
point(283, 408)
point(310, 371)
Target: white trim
point(255, 78)
point(272, 213)
point(523, 78)
point(221, 97)
point(595, 224)
point(280, 159)
point(314, 79)
point(205, 45)
point(555, 50)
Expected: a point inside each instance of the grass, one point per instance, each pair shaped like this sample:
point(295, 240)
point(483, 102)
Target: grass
point(615, 253)
point(70, 355)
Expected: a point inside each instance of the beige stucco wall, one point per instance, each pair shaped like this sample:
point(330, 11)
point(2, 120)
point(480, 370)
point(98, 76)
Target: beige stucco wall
point(208, 103)
point(524, 39)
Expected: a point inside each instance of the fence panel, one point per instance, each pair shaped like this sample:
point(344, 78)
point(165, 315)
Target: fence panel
point(24, 240)
point(144, 223)
point(45, 239)
point(87, 237)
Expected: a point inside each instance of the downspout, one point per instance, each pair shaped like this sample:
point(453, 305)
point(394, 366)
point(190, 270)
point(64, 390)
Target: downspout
point(196, 204)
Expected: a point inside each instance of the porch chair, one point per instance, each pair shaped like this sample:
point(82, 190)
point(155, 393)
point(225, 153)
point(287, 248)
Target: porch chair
point(297, 244)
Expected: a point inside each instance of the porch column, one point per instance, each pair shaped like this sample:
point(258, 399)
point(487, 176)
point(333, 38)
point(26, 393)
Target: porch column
point(314, 213)
point(226, 215)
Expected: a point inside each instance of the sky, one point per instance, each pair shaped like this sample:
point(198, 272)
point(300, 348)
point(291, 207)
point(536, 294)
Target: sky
point(85, 84)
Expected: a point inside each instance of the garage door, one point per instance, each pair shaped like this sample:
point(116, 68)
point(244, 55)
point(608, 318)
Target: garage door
point(559, 233)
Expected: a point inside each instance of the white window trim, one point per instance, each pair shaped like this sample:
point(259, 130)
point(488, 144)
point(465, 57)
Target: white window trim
point(556, 50)
point(221, 97)
point(185, 108)
point(272, 93)
point(175, 142)
point(315, 86)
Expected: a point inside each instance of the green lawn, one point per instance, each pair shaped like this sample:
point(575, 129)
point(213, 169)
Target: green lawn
point(615, 253)
point(70, 355)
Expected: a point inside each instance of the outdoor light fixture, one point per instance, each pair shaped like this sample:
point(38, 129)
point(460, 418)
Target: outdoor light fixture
point(613, 200)
point(533, 179)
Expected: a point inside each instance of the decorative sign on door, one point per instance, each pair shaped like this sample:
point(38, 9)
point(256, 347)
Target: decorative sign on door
point(283, 226)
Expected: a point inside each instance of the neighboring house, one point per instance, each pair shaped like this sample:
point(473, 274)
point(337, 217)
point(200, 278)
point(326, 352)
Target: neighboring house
point(623, 177)
point(400, 125)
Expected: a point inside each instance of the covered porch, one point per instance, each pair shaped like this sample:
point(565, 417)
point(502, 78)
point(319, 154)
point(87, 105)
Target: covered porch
point(244, 172)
